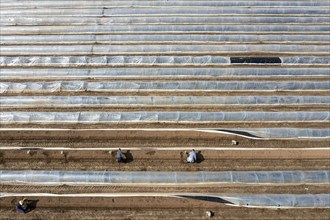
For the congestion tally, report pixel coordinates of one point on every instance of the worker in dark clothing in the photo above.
(120, 156)
(22, 205)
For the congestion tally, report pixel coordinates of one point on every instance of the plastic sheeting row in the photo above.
(158, 20)
(279, 200)
(113, 60)
(14, 73)
(131, 61)
(279, 133)
(163, 117)
(82, 86)
(97, 3)
(160, 38)
(102, 101)
(64, 177)
(156, 49)
(169, 11)
(159, 28)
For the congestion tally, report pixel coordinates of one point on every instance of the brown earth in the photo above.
(147, 208)
(290, 157)
(114, 125)
(216, 188)
(168, 165)
(142, 138)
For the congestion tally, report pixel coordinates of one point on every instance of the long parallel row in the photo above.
(76, 86)
(146, 3)
(260, 177)
(164, 40)
(150, 61)
(172, 40)
(257, 69)
(133, 101)
(153, 117)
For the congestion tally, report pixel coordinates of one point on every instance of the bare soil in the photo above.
(141, 138)
(146, 208)
(222, 188)
(290, 157)
(114, 125)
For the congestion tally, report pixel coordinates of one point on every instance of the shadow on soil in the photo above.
(207, 198)
(243, 133)
(199, 157)
(128, 157)
(32, 205)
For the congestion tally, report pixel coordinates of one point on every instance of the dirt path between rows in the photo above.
(172, 125)
(147, 208)
(222, 188)
(140, 138)
(166, 165)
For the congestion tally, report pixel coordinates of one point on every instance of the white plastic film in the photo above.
(160, 38)
(161, 28)
(95, 61)
(134, 101)
(82, 86)
(58, 20)
(279, 200)
(156, 49)
(156, 117)
(279, 133)
(98, 3)
(139, 61)
(164, 11)
(110, 177)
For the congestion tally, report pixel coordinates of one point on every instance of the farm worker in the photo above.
(191, 156)
(120, 157)
(22, 205)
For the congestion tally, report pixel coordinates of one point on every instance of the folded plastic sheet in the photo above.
(279, 200)
(127, 101)
(256, 177)
(157, 49)
(82, 86)
(281, 133)
(58, 20)
(161, 38)
(165, 117)
(97, 3)
(159, 28)
(14, 73)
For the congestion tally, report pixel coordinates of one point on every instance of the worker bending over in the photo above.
(23, 205)
(191, 156)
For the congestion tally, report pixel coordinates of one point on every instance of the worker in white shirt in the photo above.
(191, 156)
